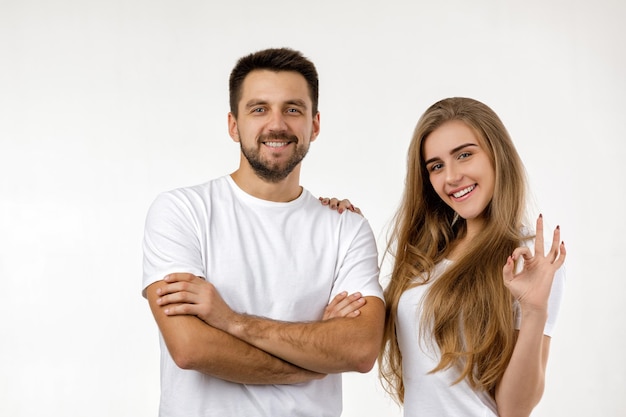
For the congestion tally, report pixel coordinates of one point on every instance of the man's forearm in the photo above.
(332, 346)
(195, 345)
(236, 361)
(329, 346)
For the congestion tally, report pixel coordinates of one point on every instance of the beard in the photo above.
(274, 171)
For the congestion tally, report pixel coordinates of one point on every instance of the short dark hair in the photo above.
(273, 59)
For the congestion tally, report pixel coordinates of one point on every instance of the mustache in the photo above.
(278, 136)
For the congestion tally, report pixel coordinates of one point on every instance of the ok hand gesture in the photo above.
(531, 286)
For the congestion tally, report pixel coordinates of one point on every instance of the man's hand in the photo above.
(186, 294)
(344, 306)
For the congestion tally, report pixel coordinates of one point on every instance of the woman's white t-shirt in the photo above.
(434, 394)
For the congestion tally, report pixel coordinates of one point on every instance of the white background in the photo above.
(105, 104)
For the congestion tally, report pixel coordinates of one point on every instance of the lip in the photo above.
(469, 190)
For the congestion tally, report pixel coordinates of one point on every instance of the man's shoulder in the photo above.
(200, 189)
(347, 219)
(192, 197)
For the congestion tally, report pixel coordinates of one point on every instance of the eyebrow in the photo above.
(297, 102)
(452, 152)
(293, 102)
(255, 102)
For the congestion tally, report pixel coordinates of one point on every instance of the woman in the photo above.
(471, 304)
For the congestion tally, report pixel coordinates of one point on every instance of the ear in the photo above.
(316, 127)
(233, 131)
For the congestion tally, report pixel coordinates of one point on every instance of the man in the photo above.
(239, 271)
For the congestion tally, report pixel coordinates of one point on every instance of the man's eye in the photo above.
(258, 110)
(292, 110)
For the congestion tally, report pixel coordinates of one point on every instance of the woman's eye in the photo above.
(464, 155)
(435, 167)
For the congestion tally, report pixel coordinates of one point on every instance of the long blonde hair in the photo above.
(467, 311)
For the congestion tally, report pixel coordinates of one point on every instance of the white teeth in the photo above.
(275, 144)
(464, 191)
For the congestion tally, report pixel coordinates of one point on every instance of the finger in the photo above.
(331, 309)
(173, 288)
(353, 308)
(334, 203)
(342, 305)
(325, 201)
(175, 298)
(345, 204)
(342, 300)
(178, 277)
(554, 249)
(561, 259)
(539, 236)
(357, 210)
(507, 270)
(181, 309)
(355, 297)
(523, 252)
(338, 298)
(350, 309)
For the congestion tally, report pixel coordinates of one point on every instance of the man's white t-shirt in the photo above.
(283, 261)
(427, 394)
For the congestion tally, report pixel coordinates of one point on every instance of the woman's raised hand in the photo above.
(531, 286)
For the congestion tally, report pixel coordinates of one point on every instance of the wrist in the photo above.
(237, 325)
(534, 314)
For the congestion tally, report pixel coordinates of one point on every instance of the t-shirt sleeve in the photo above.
(358, 269)
(171, 240)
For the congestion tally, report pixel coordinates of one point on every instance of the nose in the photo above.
(277, 122)
(453, 174)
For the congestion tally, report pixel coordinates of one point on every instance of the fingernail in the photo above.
(558, 227)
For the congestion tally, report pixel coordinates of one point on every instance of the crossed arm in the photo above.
(195, 345)
(204, 334)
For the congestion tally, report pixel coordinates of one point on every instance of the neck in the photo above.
(285, 190)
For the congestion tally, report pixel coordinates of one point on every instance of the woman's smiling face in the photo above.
(460, 169)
